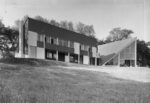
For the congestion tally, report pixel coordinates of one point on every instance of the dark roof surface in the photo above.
(48, 29)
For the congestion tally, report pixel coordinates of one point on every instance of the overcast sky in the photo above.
(104, 15)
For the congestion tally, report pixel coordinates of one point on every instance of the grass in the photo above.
(39, 81)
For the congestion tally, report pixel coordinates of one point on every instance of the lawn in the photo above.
(39, 81)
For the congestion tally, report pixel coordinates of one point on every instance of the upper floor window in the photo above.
(41, 37)
(53, 40)
(84, 47)
(48, 39)
(63, 42)
(71, 44)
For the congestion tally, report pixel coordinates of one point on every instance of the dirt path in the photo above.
(140, 74)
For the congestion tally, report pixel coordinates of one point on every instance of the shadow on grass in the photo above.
(32, 62)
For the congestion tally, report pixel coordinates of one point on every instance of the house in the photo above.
(45, 41)
(121, 53)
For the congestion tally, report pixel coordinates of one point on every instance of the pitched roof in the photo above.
(107, 51)
(54, 31)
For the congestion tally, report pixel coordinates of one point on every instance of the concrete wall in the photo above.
(94, 51)
(85, 59)
(20, 41)
(32, 52)
(76, 48)
(67, 58)
(40, 53)
(32, 38)
(128, 53)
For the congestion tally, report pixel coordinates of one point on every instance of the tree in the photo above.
(70, 26)
(143, 53)
(118, 34)
(40, 18)
(87, 30)
(80, 28)
(17, 23)
(53, 22)
(8, 41)
(1, 23)
(64, 24)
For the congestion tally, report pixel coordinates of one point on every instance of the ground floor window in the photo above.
(74, 58)
(92, 60)
(50, 54)
(127, 63)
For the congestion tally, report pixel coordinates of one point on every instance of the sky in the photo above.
(104, 15)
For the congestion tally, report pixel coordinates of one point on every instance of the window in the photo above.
(84, 47)
(48, 39)
(71, 44)
(66, 43)
(49, 55)
(41, 37)
(63, 42)
(54, 41)
(60, 42)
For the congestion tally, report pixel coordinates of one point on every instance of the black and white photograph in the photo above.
(74, 51)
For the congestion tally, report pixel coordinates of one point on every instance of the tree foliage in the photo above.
(143, 53)
(17, 23)
(1, 23)
(8, 41)
(118, 34)
(85, 29)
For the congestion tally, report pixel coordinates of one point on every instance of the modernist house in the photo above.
(45, 41)
(121, 53)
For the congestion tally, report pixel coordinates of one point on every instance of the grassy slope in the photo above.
(31, 80)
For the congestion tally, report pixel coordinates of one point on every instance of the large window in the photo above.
(53, 40)
(71, 44)
(48, 39)
(63, 42)
(40, 37)
(84, 47)
(51, 55)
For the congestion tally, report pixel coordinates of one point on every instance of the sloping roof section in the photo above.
(107, 51)
(48, 29)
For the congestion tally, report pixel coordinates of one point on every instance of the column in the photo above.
(95, 61)
(44, 41)
(68, 57)
(21, 40)
(135, 63)
(119, 59)
(56, 55)
(78, 58)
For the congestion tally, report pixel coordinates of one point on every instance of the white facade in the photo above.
(32, 38)
(76, 48)
(85, 59)
(40, 53)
